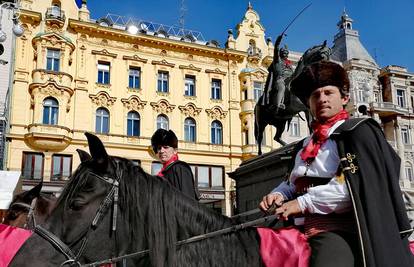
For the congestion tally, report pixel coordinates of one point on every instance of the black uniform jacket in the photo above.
(180, 176)
(371, 168)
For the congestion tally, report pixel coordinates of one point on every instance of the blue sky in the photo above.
(386, 27)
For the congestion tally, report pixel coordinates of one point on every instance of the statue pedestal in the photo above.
(256, 177)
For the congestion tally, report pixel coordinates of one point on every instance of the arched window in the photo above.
(102, 121)
(133, 124)
(50, 111)
(216, 133)
(162, 122)
(190, 130)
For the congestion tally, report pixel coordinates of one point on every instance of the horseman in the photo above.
(343, 189)
(178, 173)
(280, 71)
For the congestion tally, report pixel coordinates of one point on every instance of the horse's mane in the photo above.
(151, 205)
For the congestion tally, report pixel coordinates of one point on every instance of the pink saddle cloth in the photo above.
(11, 239)
(285, 247)
(412, 246)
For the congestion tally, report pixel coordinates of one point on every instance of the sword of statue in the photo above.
(293, 20)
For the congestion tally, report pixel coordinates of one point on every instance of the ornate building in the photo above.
(123, 78)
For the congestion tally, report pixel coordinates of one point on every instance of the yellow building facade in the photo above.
(74, 74)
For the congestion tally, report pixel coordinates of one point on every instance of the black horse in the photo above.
(151, 214)
(264, 115)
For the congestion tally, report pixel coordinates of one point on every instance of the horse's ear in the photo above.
(324, 43)
(97, 149)
(83, 155)
(33, 193)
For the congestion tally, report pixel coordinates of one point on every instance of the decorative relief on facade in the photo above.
(133, 103)
(102, 99)
(104, 52)
(163, 63)
(190, 109)
(216, 113)
(190, 67)
(216, 71)
(135, 58)
(51, 88)
(162, 106)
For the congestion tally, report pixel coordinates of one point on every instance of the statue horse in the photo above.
(264, 115)
(111, 207)
(29, 208)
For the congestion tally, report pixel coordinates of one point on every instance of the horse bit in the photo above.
(59, 245)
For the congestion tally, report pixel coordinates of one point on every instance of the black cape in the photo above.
(372, 167)
(180, 176)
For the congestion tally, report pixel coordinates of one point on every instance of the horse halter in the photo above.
(30, 214)
(59, 245)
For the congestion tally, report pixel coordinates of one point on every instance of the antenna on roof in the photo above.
(183, 10)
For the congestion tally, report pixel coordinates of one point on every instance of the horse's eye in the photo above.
(76, 204)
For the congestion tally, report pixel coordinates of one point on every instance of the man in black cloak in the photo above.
(176, 172)
(344, 183)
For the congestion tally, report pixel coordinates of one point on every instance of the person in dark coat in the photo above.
(178, 173)
(344, 183)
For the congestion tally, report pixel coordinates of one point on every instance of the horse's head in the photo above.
(21, 206)
(87, 217)
(316, 53)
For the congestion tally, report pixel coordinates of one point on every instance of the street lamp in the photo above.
(17, 29)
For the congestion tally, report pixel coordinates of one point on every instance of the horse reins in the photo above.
(201, 237)
(59, 245)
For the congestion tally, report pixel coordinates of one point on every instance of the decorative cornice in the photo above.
(190, 67)
(104, 52)
(216, 113)
(216, 71)
(133, 102)
(102, 99)
(162, 106)
(163, 62)
(190, 109)
(135, 58)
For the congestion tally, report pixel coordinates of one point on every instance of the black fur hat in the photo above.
(320, 74)
(163, 137)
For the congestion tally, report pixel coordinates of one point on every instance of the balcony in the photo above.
(62, 79)
(48, 137)
(388, 109)
(55, 16)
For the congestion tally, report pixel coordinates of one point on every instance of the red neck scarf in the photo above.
(320, 135)
(166, 164)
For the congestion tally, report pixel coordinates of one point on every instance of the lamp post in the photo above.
(17, 28)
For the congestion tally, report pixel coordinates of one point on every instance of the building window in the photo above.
(103, 72)
(133, 124)
(189, 89)
(401, 98)
(409, 173)
(53, 59)
(162, 122)
(405, 135)
(102, 121)
(61, 166)
(163, 81)
(32, 165)
(155, 168)
(190, 130)
(50, 111)
(216, 133)
(295, 127)
(362, 96)
(257, 90)
(208, 176)
(134, 78)
(216, 89)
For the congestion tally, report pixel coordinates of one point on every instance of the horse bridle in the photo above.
(59, 245)
(30, 214)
